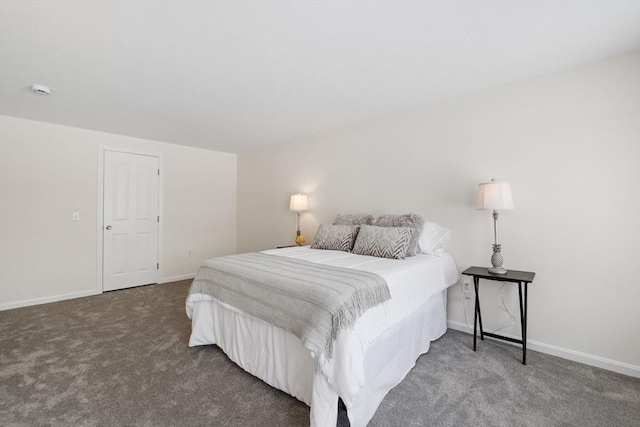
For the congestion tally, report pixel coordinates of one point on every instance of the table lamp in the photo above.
(495, 196)
(298, 203)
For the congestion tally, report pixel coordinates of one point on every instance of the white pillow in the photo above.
(433, 239)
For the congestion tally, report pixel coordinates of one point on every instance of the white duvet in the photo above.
(411, 282)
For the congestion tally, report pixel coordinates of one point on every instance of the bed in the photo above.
(366, 360)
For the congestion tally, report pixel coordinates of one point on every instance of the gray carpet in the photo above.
(121, 358)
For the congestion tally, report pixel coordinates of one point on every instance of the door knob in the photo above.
(108, 227)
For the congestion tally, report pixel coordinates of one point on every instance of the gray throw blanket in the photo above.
(312, 301)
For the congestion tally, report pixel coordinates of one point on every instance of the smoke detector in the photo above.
(41, 89)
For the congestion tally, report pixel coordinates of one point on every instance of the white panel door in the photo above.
(131, 222)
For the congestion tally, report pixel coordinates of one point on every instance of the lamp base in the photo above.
(497, 270)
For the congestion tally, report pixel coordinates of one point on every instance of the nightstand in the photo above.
(522, 278)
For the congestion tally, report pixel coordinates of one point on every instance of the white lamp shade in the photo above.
(494, 196)
(298, 202)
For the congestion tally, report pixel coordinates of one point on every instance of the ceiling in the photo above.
(231, 76)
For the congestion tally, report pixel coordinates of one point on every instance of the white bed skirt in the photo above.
(278, 358)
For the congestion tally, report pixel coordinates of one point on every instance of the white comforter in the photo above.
(411, 282)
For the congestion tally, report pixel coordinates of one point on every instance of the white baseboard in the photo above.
(177, 278)
(45, 300)
(565, 353)
(63, 297)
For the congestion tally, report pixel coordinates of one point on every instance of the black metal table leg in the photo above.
(477, 284)
(524, 329)
(475, 313)
(523, 322)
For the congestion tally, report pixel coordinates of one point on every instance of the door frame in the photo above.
(100, 209)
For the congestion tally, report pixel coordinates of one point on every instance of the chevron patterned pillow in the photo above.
(383, 242)
(414, 221)
(353, 219)
(335, 237)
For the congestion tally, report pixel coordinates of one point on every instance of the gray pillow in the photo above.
(383, 242)
(414, 221)
(353, 219)
(335, 237)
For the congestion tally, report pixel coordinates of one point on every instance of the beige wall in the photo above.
(568, 142)
(47, 172)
